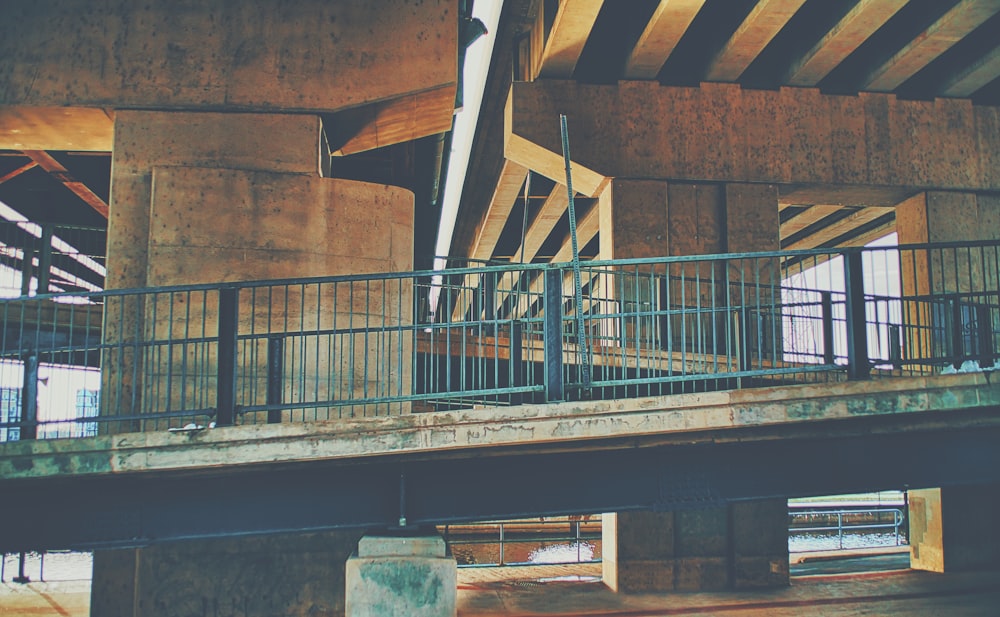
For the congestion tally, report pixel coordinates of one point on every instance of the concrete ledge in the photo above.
(766, 413)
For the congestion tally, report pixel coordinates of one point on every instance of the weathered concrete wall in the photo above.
(969, 273)
(291, 575)
(953, 529)
(212, 197)
(738, 546)
(656, 218)
(288, 55)
(720, 132)
(143, 140)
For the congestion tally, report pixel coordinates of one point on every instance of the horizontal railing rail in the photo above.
(561, 540)
(838, 523)
(322, 348)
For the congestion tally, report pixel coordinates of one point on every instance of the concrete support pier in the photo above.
(400, 574)
(737, 546)
(292, 575)
(952, 529)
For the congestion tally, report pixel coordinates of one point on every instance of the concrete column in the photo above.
(212, 197)
(961, 279)
(408, 575)
(738, 546)
(953, 529)
(653, 218)
(296, 575)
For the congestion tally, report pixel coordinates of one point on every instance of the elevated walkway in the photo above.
(338, 402)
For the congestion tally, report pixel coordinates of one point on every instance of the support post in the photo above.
(21, 577)
(29, 397)
(225, 412)
(957, 332)
(826, 300)
(516, 360)
(45, 259)
(27, 255)
(552, 335)
(858, 366)
(275, 377)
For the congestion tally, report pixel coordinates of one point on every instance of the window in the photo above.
(87, 406)
(10, 412)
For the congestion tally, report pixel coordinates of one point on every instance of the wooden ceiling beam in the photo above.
(766, 19)
(938, 38)
(512, 177)
(800, 221)
(570, 30)
(855, 28)
(669, 22)
(17, 172)
(539, 229)
(977, 75)
(60, 173)
(841, 227)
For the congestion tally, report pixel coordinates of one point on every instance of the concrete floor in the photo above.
(532, 592)
(910, 593)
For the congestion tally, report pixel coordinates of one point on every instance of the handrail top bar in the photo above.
(495, 269)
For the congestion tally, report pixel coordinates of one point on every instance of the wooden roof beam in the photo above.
(570, 30)
(804, 219)
(980, 73)
(938, 38)
(841, 227)
(586, 228)
(855, 28)
(669, 22)
(512, 177)
(17, 172)
(60, 173)
(766, 19)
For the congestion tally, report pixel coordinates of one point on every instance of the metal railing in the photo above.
(40, 257)
(325, 348)
(562, 540)
(839, 523)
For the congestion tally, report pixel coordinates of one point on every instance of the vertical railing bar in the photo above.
(225, 412)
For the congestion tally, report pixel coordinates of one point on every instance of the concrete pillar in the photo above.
(953, 529)
(961, 279)
(213, 197)
(950, 528)
(653, 218)
(739, 546)
(296, 575)
(408, 575)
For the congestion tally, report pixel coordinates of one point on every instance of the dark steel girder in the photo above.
(143, 509)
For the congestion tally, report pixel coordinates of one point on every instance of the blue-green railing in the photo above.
(325, 348)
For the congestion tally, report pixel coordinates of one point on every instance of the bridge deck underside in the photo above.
(663, 452)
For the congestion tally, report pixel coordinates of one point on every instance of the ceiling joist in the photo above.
(44, 160)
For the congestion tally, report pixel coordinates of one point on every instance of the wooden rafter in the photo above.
(841, 227)
(668, 24)
(850, 32)
(569, 34)
(17, 172)
(980, 73)
(938, 38)
(761, 25)
(804, 219)
(60, 173)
